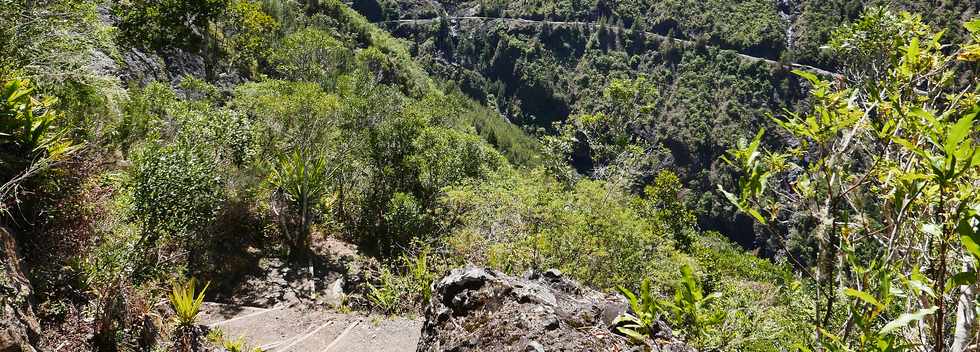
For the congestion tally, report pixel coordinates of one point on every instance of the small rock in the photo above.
(534, 346)
(337, 287)
(551, 323)
(612, 310)
(290, 297)
(335, 293)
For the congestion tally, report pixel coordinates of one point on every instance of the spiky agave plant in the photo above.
(186, 301)
(237, 345)
(186, 304)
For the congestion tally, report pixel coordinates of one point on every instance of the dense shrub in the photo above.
(163, 22)
(176, 191)
(311, 55)
(516, 222)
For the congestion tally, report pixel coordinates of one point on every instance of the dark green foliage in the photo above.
(31, 139)
(753, 27)
(168, 22)
(312, 122)
(411, 162)
(311, 55)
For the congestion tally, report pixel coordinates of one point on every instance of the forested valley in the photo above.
(489, 175)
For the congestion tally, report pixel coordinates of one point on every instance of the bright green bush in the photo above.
(519, 221)
(247, 34)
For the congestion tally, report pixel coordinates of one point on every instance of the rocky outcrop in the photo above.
(19, 329)
(474, 309)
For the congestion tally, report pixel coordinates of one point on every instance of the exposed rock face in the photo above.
(19, 328)
(475, 309)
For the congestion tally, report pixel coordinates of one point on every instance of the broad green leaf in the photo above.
(936, 39)
(864, 296)
(753, 148)
(634, 303)
(731, 197)
(905, 319)
(969, 53)
(912, 54)
(924, 114)
(755, 214)
(958, 132)
(911, 147)
(973, 26)
(918, 281)
(809, 76)
(632, 334)
(968, 238)
(626, 318)
(963, 279)
(932, 230)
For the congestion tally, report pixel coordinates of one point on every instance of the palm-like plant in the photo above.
(303, 177)
(28, 132)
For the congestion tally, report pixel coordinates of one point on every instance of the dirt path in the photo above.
(287, 329)
(794, 66)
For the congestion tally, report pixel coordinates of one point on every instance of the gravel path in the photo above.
(288, 329)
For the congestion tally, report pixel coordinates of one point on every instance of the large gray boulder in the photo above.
(475, 309)
(19, 329)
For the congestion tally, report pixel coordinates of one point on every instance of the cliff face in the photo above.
(475, 309)
(19, 329)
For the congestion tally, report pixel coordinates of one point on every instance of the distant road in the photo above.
(618, 29)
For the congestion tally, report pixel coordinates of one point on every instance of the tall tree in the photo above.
(885, 173)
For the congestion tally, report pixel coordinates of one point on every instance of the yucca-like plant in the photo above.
(186, 302)
(303, 178)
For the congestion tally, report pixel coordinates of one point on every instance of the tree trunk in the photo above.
(965, 315)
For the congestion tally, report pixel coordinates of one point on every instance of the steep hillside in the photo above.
(716, 69)
(308, 166)
(295, 154)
